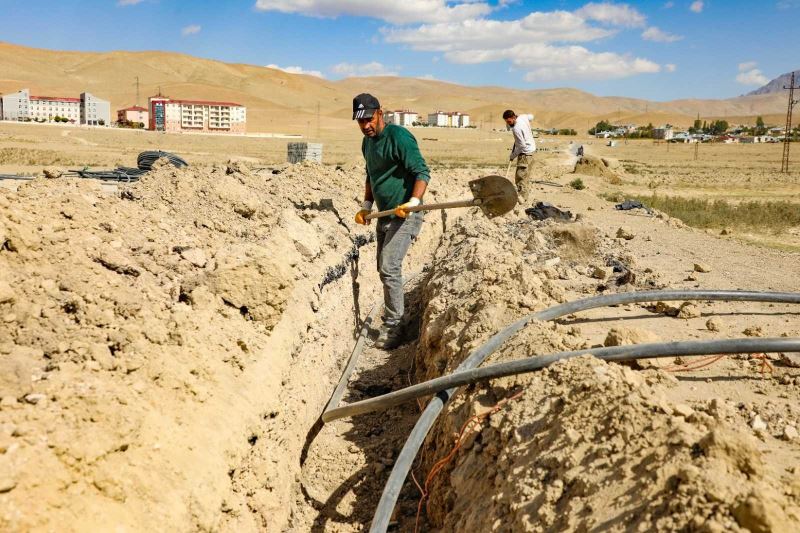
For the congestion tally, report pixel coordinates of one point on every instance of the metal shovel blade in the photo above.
(495, 194)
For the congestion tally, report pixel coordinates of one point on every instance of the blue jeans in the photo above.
(394, 236)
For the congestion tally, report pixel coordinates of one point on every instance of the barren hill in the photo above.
(278, 101)
(776, 85)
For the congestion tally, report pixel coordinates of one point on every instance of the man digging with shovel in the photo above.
(397, 177)
(524, 145)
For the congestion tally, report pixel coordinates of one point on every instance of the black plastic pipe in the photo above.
(402, 465)
(531, 364)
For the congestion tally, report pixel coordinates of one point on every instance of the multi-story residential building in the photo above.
(134, 114)
(47, 108)
(15, 106)
(182, 116)
(453, 119)
(24, 107)
(401, 117)
(95, 111)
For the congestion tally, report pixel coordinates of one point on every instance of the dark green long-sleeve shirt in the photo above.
(394, 164)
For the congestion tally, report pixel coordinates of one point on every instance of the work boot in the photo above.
(389, 337)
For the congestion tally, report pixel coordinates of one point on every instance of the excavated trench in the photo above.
(182, 362)
(584, 444)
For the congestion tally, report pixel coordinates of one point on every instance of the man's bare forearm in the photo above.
(420, 187)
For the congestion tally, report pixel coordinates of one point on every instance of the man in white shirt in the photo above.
(524, 145)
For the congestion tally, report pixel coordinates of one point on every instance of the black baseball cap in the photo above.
(364, 106)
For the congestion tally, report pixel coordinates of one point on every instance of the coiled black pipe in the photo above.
(146, 159)
(402, 465)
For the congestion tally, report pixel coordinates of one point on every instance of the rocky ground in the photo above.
(165, 350)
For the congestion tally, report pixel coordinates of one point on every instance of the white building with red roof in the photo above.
(22, 106)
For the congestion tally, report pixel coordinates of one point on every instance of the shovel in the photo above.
(495, 195)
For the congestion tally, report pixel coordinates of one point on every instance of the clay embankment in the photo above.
(148, 340)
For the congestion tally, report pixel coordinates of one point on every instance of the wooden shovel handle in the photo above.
(427, 207)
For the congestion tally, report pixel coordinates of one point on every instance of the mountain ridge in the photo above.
(279, 101)
(777, 85)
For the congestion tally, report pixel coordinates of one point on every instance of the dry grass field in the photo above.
(734, 187)
(729, 185)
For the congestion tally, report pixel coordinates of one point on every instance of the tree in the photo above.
(760, 128)
(718, 127)
(101, 122)
(600, 127)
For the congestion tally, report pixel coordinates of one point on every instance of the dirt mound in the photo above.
(583, 444)
(139, 331)
(590, 165)
(592, 445)
(483, 274)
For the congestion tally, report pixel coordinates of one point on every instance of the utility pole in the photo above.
(788, 132)
(137, 90)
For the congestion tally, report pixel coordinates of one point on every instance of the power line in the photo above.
(788, 131)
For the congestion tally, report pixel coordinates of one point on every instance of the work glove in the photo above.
(400, 210)
(366, 209)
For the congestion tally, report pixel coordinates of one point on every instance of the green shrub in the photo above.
(577, 184)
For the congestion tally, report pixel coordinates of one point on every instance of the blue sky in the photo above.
(658, 50)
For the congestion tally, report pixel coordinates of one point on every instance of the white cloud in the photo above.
(750, 75)
(670, 67)
(614, 14)
(543, 44)
(697, 6)
(129, 2)
(669, 5)
(192, 29)
(367, 69)
(660, 36)
(405, 12)
(788, 4)
(544, 47)
(556, 26)
(296, 70)
(429, 77)
(544, 62)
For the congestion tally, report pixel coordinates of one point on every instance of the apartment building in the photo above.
(15, 106)
(47, 108)
(95, 111)
(452, 119)
(401, 117)
(187, 116)
(24, 107)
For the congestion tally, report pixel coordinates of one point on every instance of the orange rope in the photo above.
(443, 462)
(695, 365)
(711, 359)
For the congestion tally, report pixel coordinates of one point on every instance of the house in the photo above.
(134, 114)
(664, 132)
